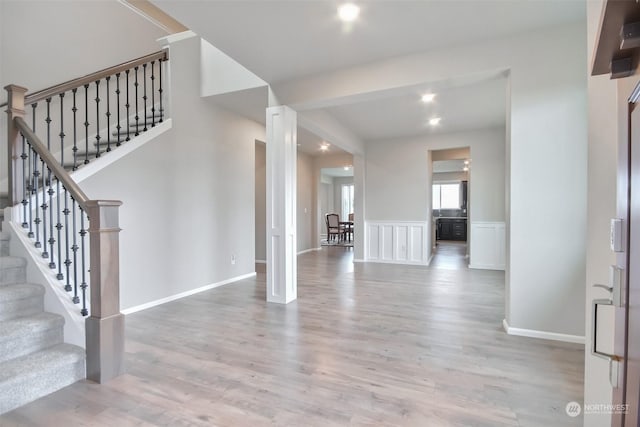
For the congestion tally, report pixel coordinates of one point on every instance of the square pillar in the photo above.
(281, 204)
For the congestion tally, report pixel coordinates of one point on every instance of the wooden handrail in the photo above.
(90, 78)
(53, 164)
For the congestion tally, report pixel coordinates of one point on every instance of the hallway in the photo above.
(364, 344)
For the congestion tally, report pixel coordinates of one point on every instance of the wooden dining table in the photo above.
(348, 228)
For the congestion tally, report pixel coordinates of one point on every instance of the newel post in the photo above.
(15, 108)
(105, 325)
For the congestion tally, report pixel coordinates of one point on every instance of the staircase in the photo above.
(34, 360)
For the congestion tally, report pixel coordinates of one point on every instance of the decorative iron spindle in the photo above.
(74, 249)
(108, 78)
(97, 99)
(83, 286)
(75, 130)
(25, 178)
(29, 177)
(33, 189)
(52, 240)
(48, 121)
(137, 117)
(61, 134)
(144, 96)
(59, 276)
(118, 108)
(86, 124)
(153, 94)
(67, 261)
(128, 104)
(160, 89)
(36, 191)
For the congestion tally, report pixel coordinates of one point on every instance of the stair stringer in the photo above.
(56, 300)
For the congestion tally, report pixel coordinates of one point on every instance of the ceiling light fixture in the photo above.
(434, 121)
(466, 162)
(348, 12)
(324, 146)
(466, 168)
(347, 168)
(428, 97)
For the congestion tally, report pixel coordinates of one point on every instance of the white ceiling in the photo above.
(337, 172)
(475, 106)
(283, 40)
(444, 166)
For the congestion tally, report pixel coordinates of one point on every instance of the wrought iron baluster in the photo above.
(59, 276)
(67, 261)
(97, 99)
(75, 130)
(52, 240)
(144, 96)
(44, 208)
(86, 124)
(160, 65)
(137, 117)
(29, 177)
(108, 78)
(128, 104)
(25, 178)
(48, 121)
(74, 249)
(36, 179)
(118, 127)
(33, 178)
(61, 134)
(153, 94)
(83, 286)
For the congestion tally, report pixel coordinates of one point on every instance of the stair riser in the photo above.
(13, 275)
(33, 385)
(4, 246)
(31, 342)
(21, 307)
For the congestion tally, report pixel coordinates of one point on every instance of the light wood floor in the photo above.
(364, 344)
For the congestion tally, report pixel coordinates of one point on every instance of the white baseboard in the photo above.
(532, 333)
(500, 267)
(261, 261)
(309, 250)
(185, 294)
(358, 260)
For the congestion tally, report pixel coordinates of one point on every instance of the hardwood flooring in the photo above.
(364, 344)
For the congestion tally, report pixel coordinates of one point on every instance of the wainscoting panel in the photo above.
(396, 242)
(487, 250)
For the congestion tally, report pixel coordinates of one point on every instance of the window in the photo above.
(347, 201)
(446, 196)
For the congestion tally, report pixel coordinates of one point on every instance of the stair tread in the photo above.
(12, 262)
(35, 362)
(21, 326)
(19, 291)
(4, 235)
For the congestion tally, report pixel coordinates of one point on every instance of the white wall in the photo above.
(261, 201)
(188, 195)
(306, 195)
(398, 178)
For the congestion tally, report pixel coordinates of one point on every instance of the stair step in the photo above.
(21, 300)
(28, 334)
(12, 270)
(5, 239)
(27, 378)
(140, 126)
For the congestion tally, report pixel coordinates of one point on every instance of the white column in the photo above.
(281, 204)
(358, 210)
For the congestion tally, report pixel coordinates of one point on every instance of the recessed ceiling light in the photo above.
(434, 121)
(466, 168)
(347, 168)
(348, 12)
(428, 97)
(324, 146)
(466, 162)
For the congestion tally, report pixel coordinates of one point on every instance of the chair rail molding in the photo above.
(397, 242)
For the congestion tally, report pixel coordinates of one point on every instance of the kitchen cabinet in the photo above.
(451, 229)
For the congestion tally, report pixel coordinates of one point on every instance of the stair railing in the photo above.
(79, 237)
